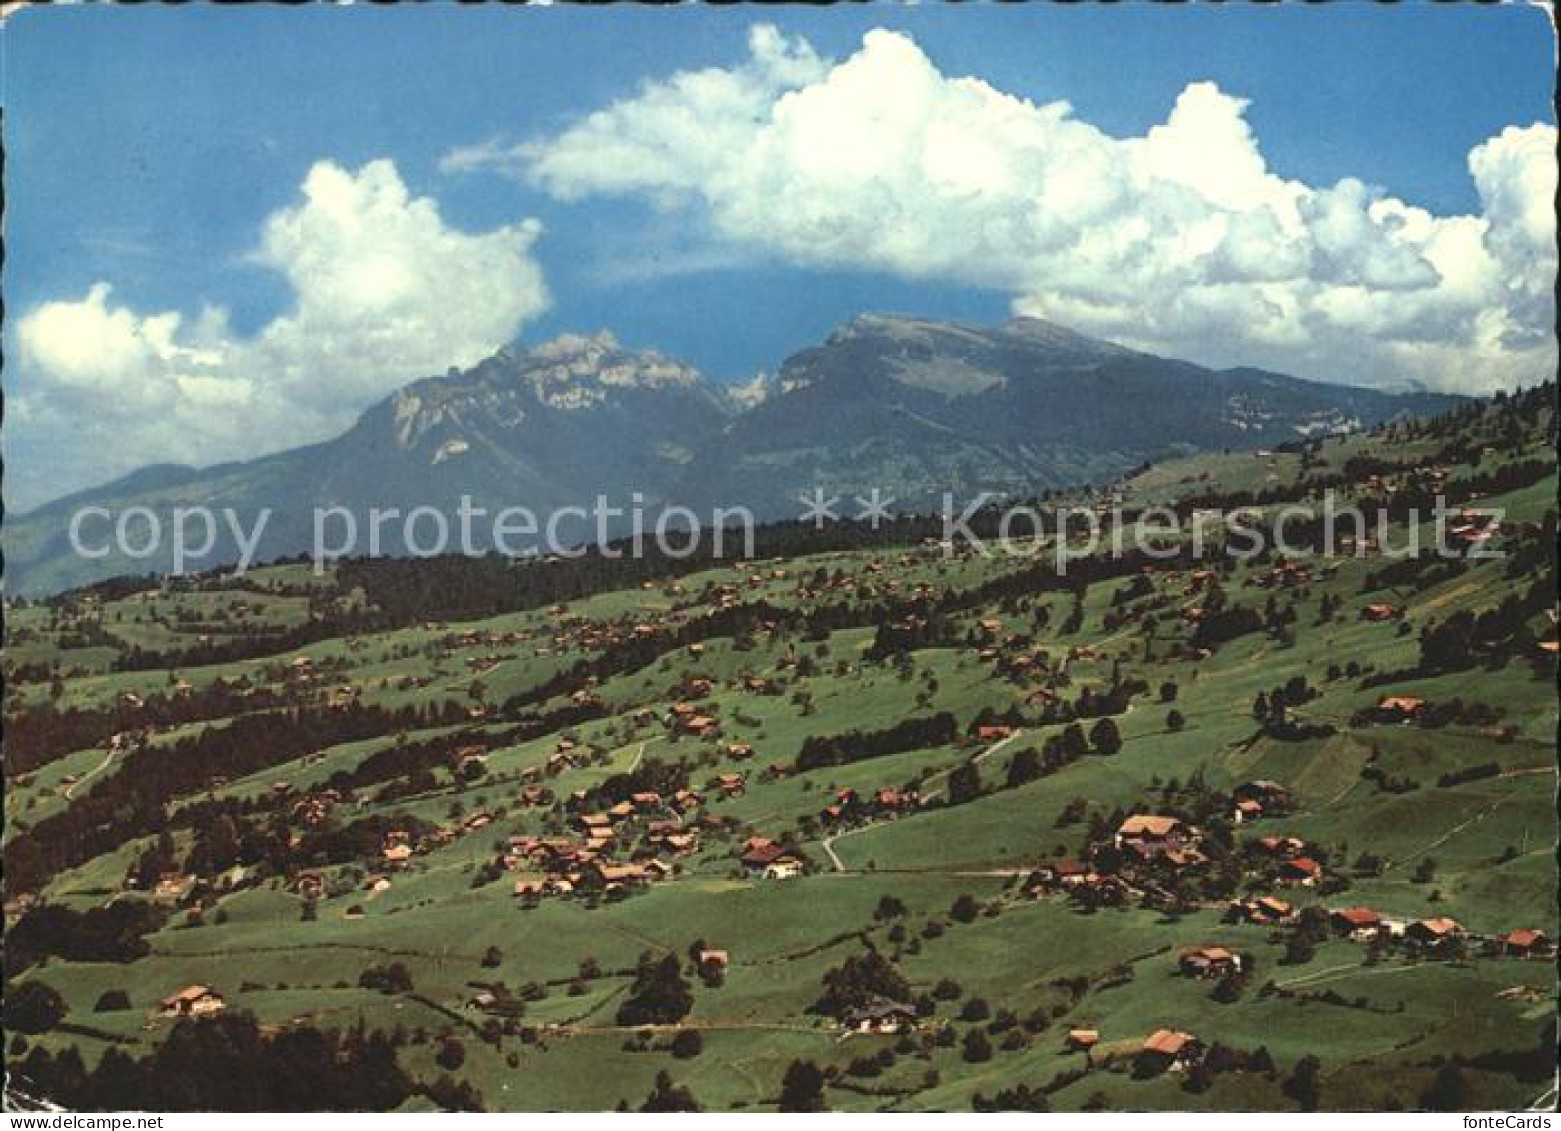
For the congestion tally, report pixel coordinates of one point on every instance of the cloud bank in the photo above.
(383, 292)
(1182, 240)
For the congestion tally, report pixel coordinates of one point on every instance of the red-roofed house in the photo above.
(1525, 943)
(1169, 1050)
(1301, 870)
(1358, 922)
(1435, 935)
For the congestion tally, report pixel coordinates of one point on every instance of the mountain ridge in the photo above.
(911, 406)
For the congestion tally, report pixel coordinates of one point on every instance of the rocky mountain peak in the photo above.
(567, 373)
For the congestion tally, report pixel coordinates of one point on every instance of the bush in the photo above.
(802, 1089)
(667, 1096)
(451, 1055)
(660, 995)
(1302, 1087)
(977, 1048)
(392, 979)
(455, 1096)
(864, 1066)
(687, 1044)
(1105, 738)
(112, 1001)
(964, 784)
(889, 907)
(32, 1008)
(1449, 1090)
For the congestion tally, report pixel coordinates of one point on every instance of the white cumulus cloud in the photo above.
(1182, 240)
(383, 291)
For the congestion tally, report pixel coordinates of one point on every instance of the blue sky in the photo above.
(148, 147)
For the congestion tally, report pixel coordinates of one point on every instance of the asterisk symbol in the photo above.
(819, 509)
(875, 508)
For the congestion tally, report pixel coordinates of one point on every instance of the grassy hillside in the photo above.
(345, 810)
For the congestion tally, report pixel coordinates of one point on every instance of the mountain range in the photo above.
(913, 407)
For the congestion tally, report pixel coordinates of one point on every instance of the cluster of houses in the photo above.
(849, 806)
(600, 827)
(1145, 841)
(686, 718)
(1018, 661)
(1147, 847)
(1425, 478)
(1155, 840)
(398, 846)
(1292, 856)
(1079, 880)
(1263, 911)
(1014, 656)
(562, 865)
(310, 809)
(1253, 800)
(869, 582)
(1438, 936)
(559, 866)
(1473, 528)
(1164, 1050)
(303, 674)
(569, 634)
(592, 636)
(1284, 574)
(311, 884)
